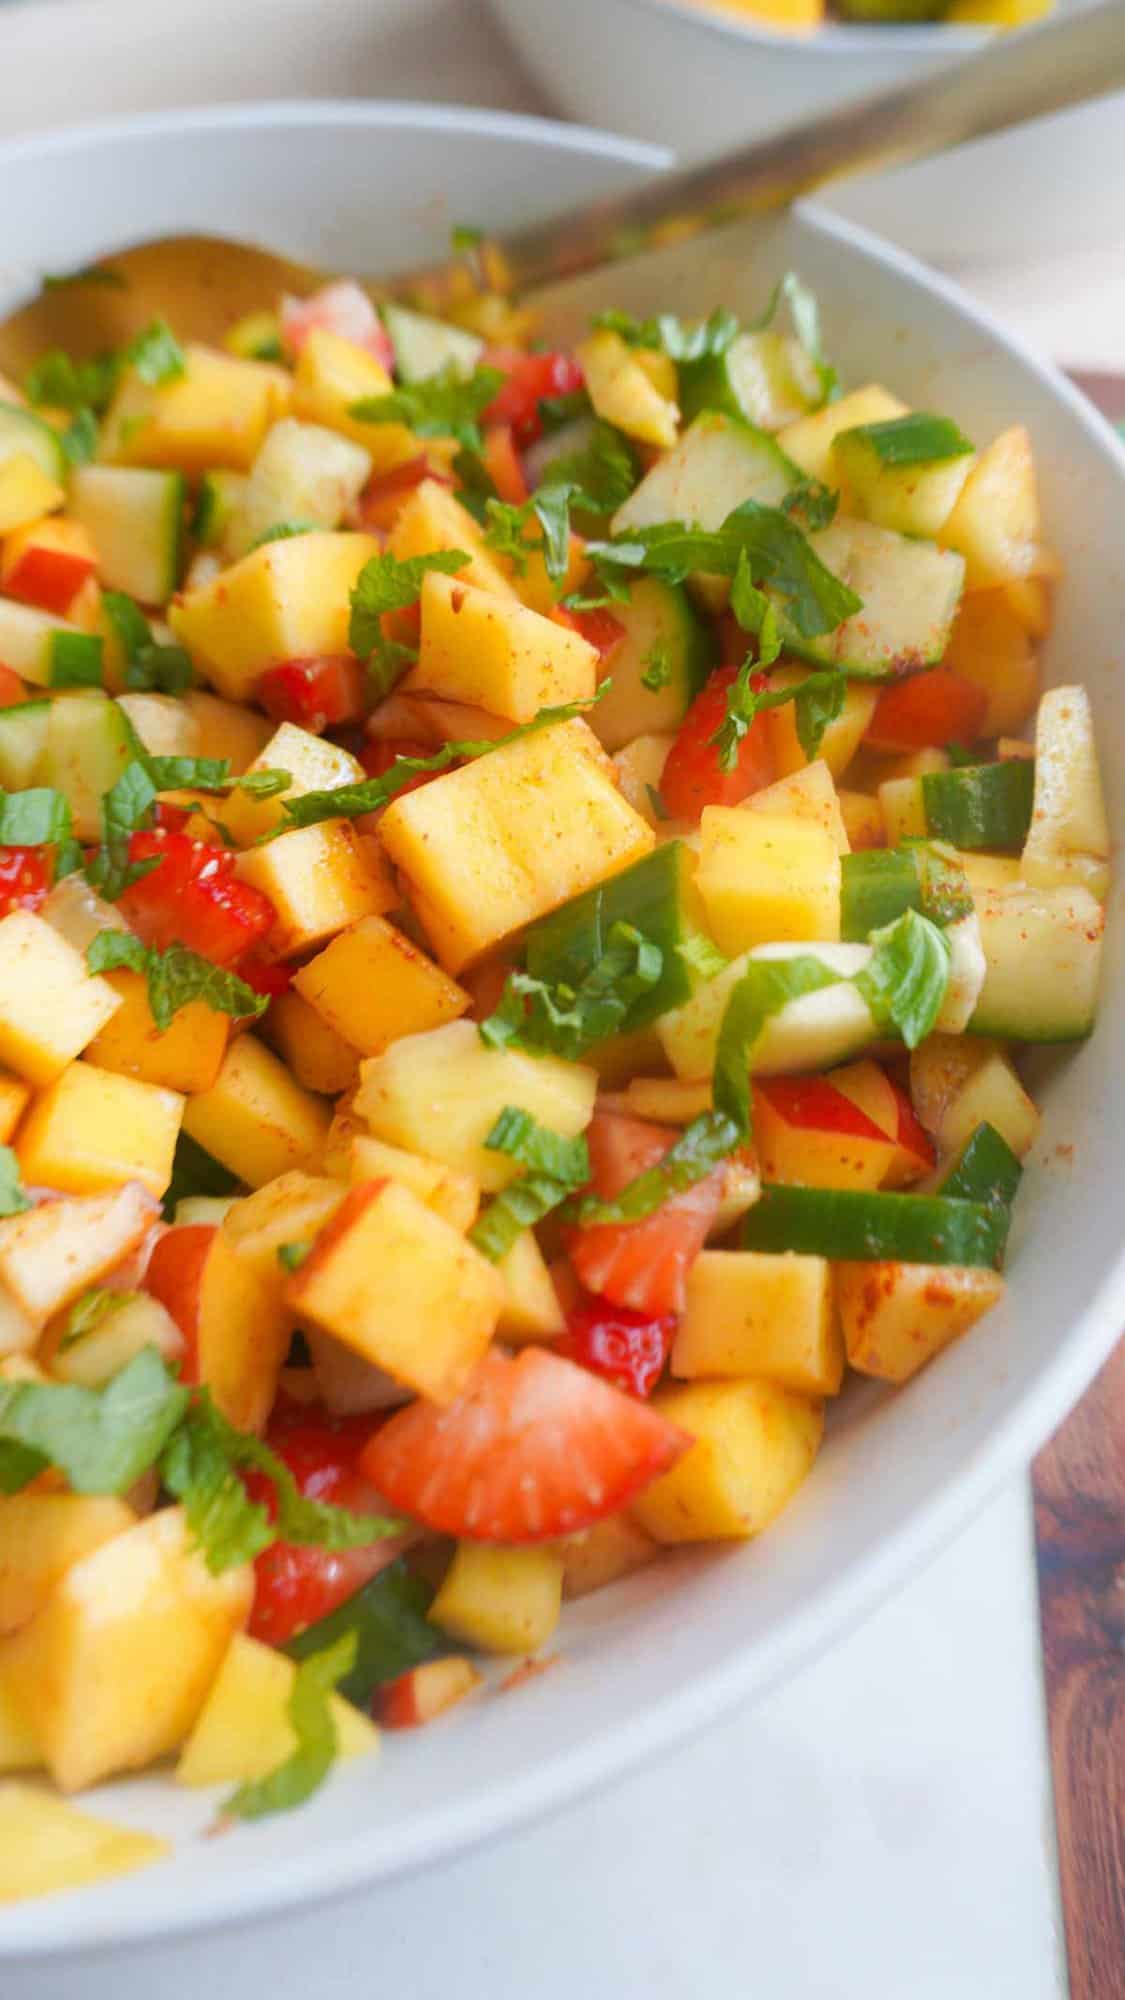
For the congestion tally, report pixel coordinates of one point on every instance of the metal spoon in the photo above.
(203, 283)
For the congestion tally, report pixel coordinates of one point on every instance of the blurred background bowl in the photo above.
(702, 80)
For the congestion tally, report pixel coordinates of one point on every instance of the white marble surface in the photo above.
(883, 1825)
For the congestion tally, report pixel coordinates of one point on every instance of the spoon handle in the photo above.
(1077, 56)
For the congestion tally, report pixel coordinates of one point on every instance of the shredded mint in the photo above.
(448, 404)
(309, 1710)
(565, 1020)
(386, 584)
(905, 983)
(175, 977)
(555, 1167)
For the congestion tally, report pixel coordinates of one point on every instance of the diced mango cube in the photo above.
(452, 1195)
(766, 880)
(255, 1119)
(51, 1253)
(26, 492)
(600, 1555)
(433, 1308)
(187, 1056)
(371, 985)
(333, 373)
(215, 414)
(996, 524)
(751, 1313)
(509, 837)
(432, 519)
(41, 1535)
(93, 1129)
(243, 1730)
(624, 394)
(291, 1209)
(441, 1094)
(500, 1599)
(225, 728)
(842, 737)
(755, 1443)
(18, 1749)
(989, 646)
(809, 441)
(287, 600)
(51, 1007)
(496, 654)
(115, 1666)
(903, 809)
(318, 881)
(896, 1317)
(14, 1098)
(863, 820)
(232, 1311)
(319, 1058)
(47, 1845)
(808, 794)
(314, 765)
(531, 1309)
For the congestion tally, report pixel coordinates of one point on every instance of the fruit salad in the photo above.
(526, 878)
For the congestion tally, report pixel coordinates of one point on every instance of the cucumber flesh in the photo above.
(765, 378)
(877, 886)
(910, 593)
(135, 519)
(666, 640)
(88, 746)
(986, 1170)
(24, 435)
(814, 1032)
(424, 346)
(718, 463)
(27, 638)
(913, 499)
(1042, 950)
(855, 1226)
(303, 475)
(658, 897)
(220, 495)
(23, 740)
(980, 805)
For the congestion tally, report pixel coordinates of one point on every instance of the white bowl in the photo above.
(650, 1661)
(704, 82)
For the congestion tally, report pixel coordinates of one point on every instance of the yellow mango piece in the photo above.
(501, 1599)
(26, 493)
(18, 1749)
(433, 519)
(313, 764)
(755, 1443)
(990, 647)
(863, 820)
(41, 1535)
(600, 1555)
(333, 373)
(452, 1195)
(93, 1129)
(809, 441)
(291, 1209)
(434, 1309)
(841, 738)
(669, 1100)
(320, 1059)
(186, 1057)
(623, 393)
(958, 1082)
(214, 415)
(371, 985)
(903, 810)
(441, 1093)
(239, 1328)
(14, 1098)
(896, 1317)
(285, 601)
(255, 1119)
(531, 1308)
(318, 881)
(751, 1313)
(809, 794)
(114, 1667)
(497, 655)
(791, 17)
(51, 1253)
(225, 728)
(640, 767)
(490, 847)
(51, 1007)
(996, 524)
(47, 1845)
(767, 880)
(243, 1731)
(540, 590)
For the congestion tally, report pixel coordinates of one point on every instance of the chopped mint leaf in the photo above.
(904, 985)
(565, 1020)
(176, 977)
(87, 1314)
(91, 274)
(697, 341)
(101, 1439)
(39, 817)
(65, 384)
(155, 354)
(264, 784)
(555, 1167)
(701, 956)
(149, 666)
(309, 1710)
(80, 438)
(767, 985)
(76, 659)
(283, 531)
(386, 584)
(804, 314)
(657, 666)
(701, 1147)
(125, 807)
(602, 473)
(916, 439)
(448, 404)
(811, 504)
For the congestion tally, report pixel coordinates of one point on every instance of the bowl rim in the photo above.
(838, 39)
(333, 1868)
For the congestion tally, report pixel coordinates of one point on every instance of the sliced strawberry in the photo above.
(643, 1265)
(340, 308)
(534, 1448)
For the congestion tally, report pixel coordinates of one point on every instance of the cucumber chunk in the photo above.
(23, 740)
(980, 805)
(424, 346)
(304, 475)
(858, 1227)
(658, 897)
(220, 496)
(877, 886)
(814, 1032)
(88, 746)
(1043, 950)
(910, 593)
(986, 1170)
(718, 463)
(765, 378)
(24, 435)
(668, 642)
(135, 519)
(27, 639)
(906, 472)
